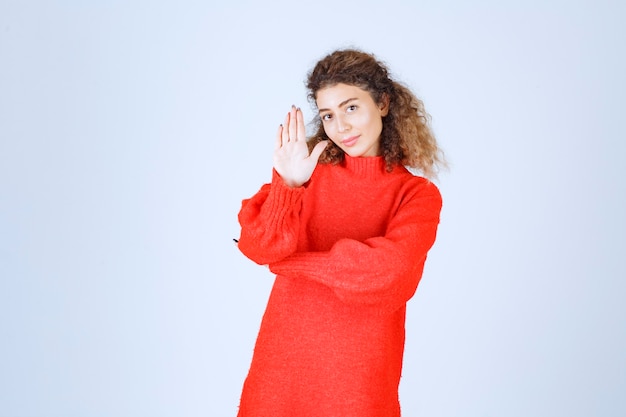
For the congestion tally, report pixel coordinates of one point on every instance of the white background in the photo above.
(131, 131)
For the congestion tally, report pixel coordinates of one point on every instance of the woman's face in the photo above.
(352, 119)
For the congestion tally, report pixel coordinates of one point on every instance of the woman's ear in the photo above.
(384, 105)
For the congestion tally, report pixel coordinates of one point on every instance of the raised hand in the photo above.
(291, 154)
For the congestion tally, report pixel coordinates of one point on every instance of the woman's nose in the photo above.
(342, 125)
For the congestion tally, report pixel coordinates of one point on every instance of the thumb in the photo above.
(318, 149)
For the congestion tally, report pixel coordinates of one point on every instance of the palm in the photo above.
(291, 154)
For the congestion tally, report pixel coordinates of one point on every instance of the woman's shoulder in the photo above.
(419, 185)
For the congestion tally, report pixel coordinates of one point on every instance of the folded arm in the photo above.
(381, 271)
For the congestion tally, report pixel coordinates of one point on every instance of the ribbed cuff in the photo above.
(282, 199)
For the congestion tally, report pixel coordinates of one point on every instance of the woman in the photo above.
(346, 229)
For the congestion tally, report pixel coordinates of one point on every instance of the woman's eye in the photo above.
(326, 117)
(351, 108)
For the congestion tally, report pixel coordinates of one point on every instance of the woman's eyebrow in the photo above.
(343, 103)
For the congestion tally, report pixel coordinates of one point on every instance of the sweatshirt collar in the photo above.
(365, 166)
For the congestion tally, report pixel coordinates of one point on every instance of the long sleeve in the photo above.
(381, 271)
(269, 222)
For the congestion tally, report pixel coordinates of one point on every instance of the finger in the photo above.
(301, 128)
(318, 149)
(293, 124)
(279, 138)
(285, 130)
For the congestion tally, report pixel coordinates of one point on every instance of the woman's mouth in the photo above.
(350, 141)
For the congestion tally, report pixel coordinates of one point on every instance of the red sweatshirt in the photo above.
(348, 250)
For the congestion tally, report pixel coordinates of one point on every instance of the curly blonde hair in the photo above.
(406, 137)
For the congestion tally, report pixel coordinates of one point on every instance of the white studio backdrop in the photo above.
(131, 131)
